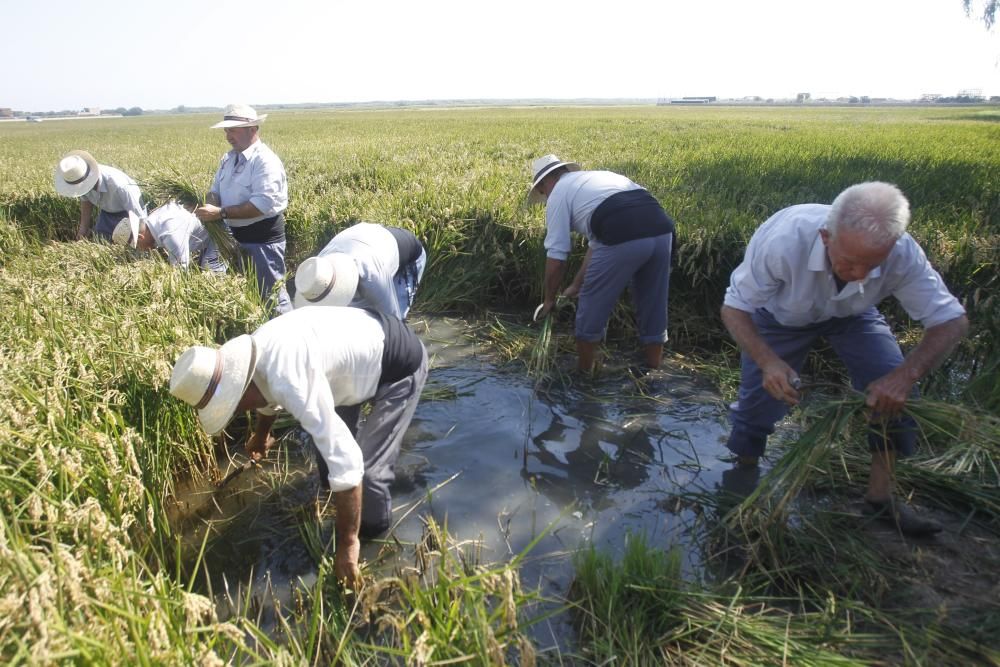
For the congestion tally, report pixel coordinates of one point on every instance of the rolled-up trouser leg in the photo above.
(755, 412)
(868, 348)
(268, 261)
(380, 438)
(650, 289)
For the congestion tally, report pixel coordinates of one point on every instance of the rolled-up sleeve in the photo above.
(310, 401)
(268, 192)
(923, 294)
(754, 281)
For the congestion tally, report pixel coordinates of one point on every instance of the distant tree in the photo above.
(134, 111)
(989, 11)
(180, 109)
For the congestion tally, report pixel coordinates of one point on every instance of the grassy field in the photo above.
(93, 442)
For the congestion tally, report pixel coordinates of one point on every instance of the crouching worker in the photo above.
(320, 365)
(365, 266)
(175, 229)
(113, 192)
(819, 271)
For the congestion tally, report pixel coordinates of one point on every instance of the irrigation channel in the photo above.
(497, 461)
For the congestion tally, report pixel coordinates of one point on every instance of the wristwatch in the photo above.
(223, 214)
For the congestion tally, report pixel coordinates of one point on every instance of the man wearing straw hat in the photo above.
(250, 193)
(629, 243)
(384, 263)
(174, 229)
(320, 365)
(819, 271)
(114, 194)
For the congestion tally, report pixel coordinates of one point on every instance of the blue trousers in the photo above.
(863, 342)
(268, 261)
(642, 265)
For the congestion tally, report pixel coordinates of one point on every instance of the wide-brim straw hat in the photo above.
(126, 231)
(326, 280)
(542, 167)
(213, 380)
(76, 174)
(239, 115)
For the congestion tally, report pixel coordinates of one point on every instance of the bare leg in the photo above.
(653, 353)
(586, 352)
(880, 478)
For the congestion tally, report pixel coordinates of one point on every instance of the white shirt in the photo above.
(571, 204)
(787, 271)
(257, 176)
(376, 254)
(178, 232)
(311, 360)
(116, 192)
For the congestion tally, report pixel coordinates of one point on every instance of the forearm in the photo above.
(935, 346)
(742, 329)
(555, 269)
(262, 426)
(348, 525)
(86, 213)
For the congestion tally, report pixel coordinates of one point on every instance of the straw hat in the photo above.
(214, 380)
(126, 231)
(239, 115)
(76, 174)
(542, 167)
(326, 280)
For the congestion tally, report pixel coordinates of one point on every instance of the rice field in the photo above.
(90, 565)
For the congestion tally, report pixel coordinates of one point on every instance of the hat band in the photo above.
(323, 294)
(547, 167)
(81, 179)
(213, 384)
(242, 119)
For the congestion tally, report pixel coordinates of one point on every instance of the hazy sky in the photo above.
(58, 54)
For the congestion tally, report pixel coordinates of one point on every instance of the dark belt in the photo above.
(268, 230)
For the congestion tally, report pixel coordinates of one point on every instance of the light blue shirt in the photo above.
(116, 192)
(257, 176)
(787, 271)
(572, 203)
(376, 254)
(178, 232)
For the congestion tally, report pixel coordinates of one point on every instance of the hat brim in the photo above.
(239, 123)
(239, 359)
(344, 287)
(534, 196)
(84, 186)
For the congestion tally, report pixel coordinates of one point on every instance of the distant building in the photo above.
(803, 97)
(690, 100)
(90, 111)
(6, 113)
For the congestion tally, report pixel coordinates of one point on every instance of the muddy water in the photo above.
(498, 460)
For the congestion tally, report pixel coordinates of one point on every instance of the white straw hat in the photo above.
(214, 380)
(126, 231)
(542, 167)
(326, 280)
(76, 174)
(239, 115)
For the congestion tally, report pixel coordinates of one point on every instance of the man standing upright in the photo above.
(629, 240)
(250, 194)
(111, 190)
(818, 271)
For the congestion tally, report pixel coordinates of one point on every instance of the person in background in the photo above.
(629, 238)
(112, 191)
(250, 194)
(365, 266)
(818, 271)
(174, 229)
(320, 365)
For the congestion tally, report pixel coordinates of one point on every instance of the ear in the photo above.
(825, 235)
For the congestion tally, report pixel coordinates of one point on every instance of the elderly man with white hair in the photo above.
(111, 190)
(818, 271)
(174, 229)
(250, 194)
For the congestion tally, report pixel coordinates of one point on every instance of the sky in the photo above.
(58, 54)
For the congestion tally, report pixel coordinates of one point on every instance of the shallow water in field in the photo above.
(499, 461)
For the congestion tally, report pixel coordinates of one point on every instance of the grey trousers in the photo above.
(380, 437)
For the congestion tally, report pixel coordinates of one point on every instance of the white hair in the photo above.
(878, 209)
